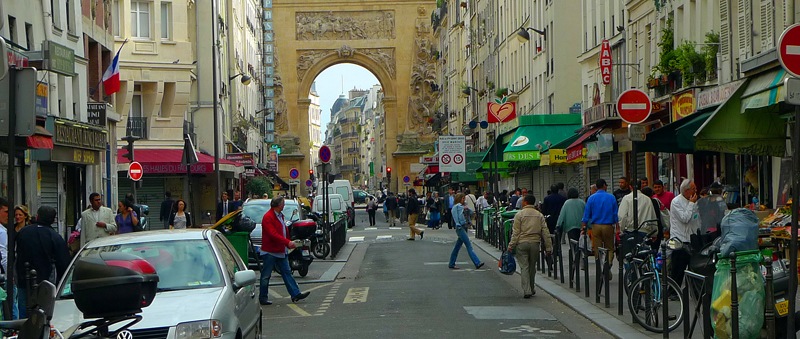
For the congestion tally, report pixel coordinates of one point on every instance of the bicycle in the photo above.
(634, 259)
(645, 296)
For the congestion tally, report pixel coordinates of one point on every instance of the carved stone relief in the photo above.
(281, 118)
(359, 25)
(345, 51)
(307, 58)
(422, 98)
(382, 56)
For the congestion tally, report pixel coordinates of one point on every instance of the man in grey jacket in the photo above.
(98, 221)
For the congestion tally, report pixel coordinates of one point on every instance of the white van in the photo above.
(336, 204)
(343, 187)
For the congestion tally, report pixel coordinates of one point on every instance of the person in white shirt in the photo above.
(683, 223)
(98, 221)
(483, 202)
(469, 202)
(644, 207)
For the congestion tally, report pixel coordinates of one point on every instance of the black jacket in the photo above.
(231, 207)
(551, 207)
(188, 218)
(43, 248)
(166, 209)
(391, 203)
(412, 205)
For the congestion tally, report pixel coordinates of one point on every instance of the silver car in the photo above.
(205, 290)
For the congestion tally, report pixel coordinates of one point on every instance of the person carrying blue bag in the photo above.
(462, 223)
(530, 228)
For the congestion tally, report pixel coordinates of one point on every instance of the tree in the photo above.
(258, 186)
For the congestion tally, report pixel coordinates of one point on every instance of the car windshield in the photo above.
(180, 264)
(257, 211)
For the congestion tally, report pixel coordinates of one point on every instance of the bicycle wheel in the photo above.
(646, 307)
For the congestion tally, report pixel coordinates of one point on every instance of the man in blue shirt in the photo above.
(602, 213)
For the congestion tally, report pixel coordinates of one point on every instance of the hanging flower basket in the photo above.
(464, 5)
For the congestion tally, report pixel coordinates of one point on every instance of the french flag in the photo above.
(111, 76)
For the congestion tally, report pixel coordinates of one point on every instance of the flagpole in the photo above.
(112, 63)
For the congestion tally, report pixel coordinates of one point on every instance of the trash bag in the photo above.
(507, 263)
(739, 232)
(244, 224)
(750, 284)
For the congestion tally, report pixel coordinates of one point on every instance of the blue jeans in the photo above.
(463, 239)
(22, 303)
(268, 261)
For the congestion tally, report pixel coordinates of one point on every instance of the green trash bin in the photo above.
(240, 242)
(509, 214)
(487, 214)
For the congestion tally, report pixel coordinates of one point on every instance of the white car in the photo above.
(205, 290)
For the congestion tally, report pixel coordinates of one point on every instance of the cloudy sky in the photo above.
(331, 80)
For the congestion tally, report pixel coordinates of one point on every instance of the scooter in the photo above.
(301, 233)
(320, 244)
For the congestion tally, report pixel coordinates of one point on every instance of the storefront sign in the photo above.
(605, 142)
(683, 105)
(74, 155)
(16, 59)
(167, 168)
(561, 156)
(59, 59)
(591, 151)
(96, 113)
(575, 153)
(521, 156)
(605, 62)
(246, 159)
(250, 172)
(41, 99)
(272, 163)
(78, 135)
(429, 160)
(717, 95)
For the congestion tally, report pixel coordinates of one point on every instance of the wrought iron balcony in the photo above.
(350, 135)
(349, 168)
(353, 150)
(137, 127)
(602, 112)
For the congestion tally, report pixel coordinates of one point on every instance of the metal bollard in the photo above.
(664, 293)
(597, 272)
(572, 243)
(621, 282)
(586, 274)
(685, 291)
(769, 311)
(576, 264)
(734, 299)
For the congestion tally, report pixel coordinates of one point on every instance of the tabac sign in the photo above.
(605, 62)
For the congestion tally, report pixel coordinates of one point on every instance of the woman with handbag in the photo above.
(461, 229)
(372, 207)
(127, 220)
(433, 211)
(530, 228)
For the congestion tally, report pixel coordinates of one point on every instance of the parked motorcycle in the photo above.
(301, 231)
(320, 243)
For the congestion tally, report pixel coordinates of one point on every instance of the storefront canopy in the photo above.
(677, 137)
(168, 161)
(749, 121)
(473, 165)
(526, 143)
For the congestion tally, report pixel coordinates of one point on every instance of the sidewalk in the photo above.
(606, 318)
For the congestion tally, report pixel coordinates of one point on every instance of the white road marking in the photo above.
(634, 106)
(550, 331)
(395, 228)
(370, 228)
(356, 239)
(356, 295)
(793, 50)
(383, 237)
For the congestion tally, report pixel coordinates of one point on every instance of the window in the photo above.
(228, 258)
(136, 106)
(140, 19)
(70, 17)
(12, 28)
(166, 20)
(29, 36)
(117, 18)
(55, 17)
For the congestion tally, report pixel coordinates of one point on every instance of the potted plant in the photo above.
(501, 92)
(463, 5)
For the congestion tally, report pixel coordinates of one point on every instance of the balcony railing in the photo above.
(348, 168)
(601, 112)
(348, 121)
(350, 135)
(353, 150)
(137, 127)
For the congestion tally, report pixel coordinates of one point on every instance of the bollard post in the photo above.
(769, 311)
(572, 273)
(597, 273)
(607, 278)
(685, 291)
(664, 293)
(586, 273)
(622, 282)
(734, 299)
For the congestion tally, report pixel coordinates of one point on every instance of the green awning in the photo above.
(471, 175)
(747, 124)
(523, 144)
(676, 137)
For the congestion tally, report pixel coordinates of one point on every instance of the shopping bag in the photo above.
(507, 263)
(583, 242)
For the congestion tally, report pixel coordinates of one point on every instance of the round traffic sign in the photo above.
(135, 171)
(309, 183)
(325, 154)
(634, 106)
(458, 159)
(406, 179)
(446, 159)
(789, 50)
(294, 173)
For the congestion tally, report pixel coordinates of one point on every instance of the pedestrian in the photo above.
(166, 209)
(644, 182)
(401, 206)
(569, 220)
(98, 221)
(127, 220)
(551, 207)
(4, 241)
(22, 217)
(391, 205)
(372, 207)
(645, 212)
(483, 202)
(461, 224)
(602, 213)
(180, 219)
(663, 195)
(412, 205)
(433, 211)
(661, 222)
(386, 210)
(275, 246)
(237, 200)
(561, 190)
(225, 206)
(512, 201)
(523, 193)
(448, 209)
(530, 228)
(39, 247)
(624, 189)
(503, 198)
(684, 222)
(469, 202)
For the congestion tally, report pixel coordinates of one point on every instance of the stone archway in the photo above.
(393, 40)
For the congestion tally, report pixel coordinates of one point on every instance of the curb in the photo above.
(596, 315)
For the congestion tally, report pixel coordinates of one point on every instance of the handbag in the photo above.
(584, 242)
(428, 215)
(507, 263)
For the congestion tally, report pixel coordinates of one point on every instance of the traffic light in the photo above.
(130, 139)
(389, 173)
(311, 174)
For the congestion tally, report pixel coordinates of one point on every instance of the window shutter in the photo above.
(745, 31)
(725, 29)
(767, 25)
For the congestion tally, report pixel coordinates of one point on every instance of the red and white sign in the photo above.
(135, 171)
(605, 62)
(789, 50)
(634, 106)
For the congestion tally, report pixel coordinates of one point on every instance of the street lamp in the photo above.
(523, 36)
(245, 78)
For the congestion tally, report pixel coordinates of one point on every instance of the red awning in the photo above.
(169, 161)
(432, 169)
(584, 137)
(39, 141)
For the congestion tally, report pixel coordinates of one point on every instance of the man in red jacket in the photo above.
(275, 244)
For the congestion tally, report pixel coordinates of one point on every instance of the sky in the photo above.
(329, 86)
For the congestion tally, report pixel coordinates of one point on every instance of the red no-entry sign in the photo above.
(634, 106)
(789, 50)
(135, 171)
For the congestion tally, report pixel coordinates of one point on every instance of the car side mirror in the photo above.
(244, 278)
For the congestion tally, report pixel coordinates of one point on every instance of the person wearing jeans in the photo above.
(273, 252)
(529, 230)
(461, 230)
(372, 207)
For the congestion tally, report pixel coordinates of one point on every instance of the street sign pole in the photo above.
(12, 156)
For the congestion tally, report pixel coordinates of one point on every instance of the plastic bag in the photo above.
(739, 232)
(244, 224)
(751, 294)
(507, 263)
(584, 243)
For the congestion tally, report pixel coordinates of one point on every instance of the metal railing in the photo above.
(338, 236)
(350, 168)
(353, 150)
(137, 127)
(350, 135)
